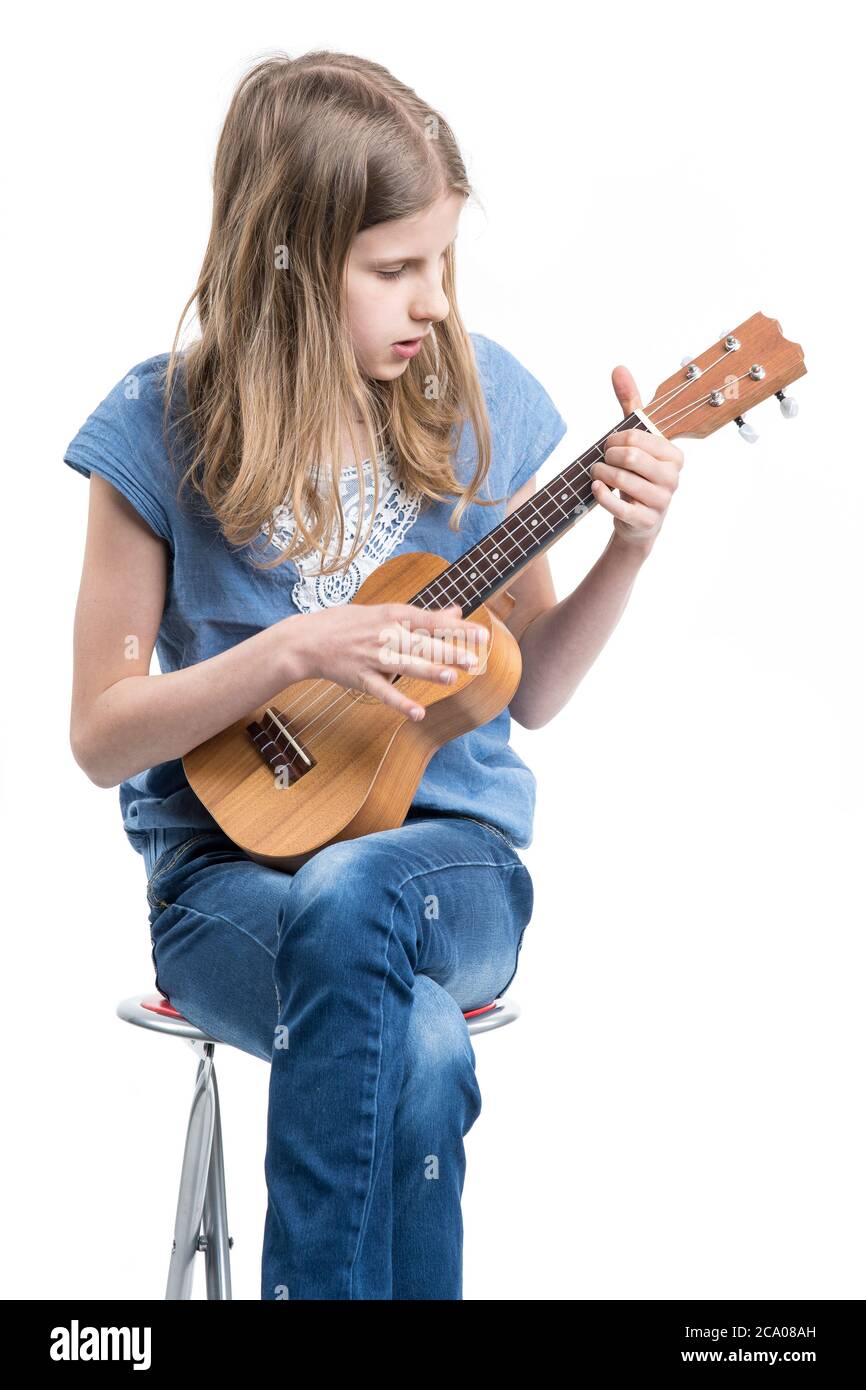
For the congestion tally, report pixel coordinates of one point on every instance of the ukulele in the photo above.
(320, 763)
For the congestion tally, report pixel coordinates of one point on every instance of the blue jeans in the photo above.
(351, 977)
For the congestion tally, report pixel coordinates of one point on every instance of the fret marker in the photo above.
(473, 574)
(496, 555)
(535, 521)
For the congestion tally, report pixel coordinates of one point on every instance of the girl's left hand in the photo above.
(646, 469)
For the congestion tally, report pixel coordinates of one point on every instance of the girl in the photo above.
(232, 518)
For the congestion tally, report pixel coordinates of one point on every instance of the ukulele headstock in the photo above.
(737, 372)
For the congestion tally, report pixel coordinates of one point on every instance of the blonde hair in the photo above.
(313, 151)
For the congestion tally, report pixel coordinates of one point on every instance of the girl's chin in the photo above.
(387, 370)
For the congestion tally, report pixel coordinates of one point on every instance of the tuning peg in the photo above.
(686, 360)
(787, 405)
(745, 430)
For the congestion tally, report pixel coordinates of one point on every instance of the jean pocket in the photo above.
(167, 861)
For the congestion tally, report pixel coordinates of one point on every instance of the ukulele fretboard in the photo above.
(491, 564)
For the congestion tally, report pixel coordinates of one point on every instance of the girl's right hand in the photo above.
(365, 646)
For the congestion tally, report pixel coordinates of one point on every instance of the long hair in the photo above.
(314, 150)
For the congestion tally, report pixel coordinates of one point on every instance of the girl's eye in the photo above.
(391, 274)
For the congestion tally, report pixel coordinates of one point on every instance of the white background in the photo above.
(678, 1111)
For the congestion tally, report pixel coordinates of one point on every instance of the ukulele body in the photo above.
(368, 758)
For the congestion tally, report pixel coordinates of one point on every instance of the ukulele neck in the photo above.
(497, 559)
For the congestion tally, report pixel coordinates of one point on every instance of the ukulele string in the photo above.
(571, 483)
(677, 415)
(338, 699)
(293, 710)
(683, 386)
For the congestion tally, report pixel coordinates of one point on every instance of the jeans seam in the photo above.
(495, 829)
(440, 868)
(365, 1209)
(159, 868)
(422, 873)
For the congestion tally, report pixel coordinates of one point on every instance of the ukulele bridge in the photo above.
(278, 748)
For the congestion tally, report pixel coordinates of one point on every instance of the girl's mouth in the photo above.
(407, 349)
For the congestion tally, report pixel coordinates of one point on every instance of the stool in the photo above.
(201, 1222)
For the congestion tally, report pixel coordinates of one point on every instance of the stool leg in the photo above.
(193, 1179)
(215, 1230)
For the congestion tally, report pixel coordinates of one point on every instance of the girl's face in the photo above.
(394, 284)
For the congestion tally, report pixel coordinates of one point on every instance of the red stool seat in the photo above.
(158, 1004)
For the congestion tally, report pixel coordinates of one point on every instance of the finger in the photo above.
(626, 390)
(632, 485)
(655, 445)
(404, 635)
(433, 617)
(635, 513)
(400, 648)
(372, 683)
(636, 464)
(441, 664)
(450, 649)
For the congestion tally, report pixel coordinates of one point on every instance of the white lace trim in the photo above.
(398, 509)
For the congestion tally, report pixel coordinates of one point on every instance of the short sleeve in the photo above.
(122, 441)
(526, 422)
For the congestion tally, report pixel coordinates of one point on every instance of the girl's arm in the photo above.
(125, 720)
(559, 641)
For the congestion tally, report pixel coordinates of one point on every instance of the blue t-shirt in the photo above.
(216, 598)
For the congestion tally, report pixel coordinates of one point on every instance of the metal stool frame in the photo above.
(201, 1221)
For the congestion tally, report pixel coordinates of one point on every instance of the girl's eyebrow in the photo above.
(406, 260)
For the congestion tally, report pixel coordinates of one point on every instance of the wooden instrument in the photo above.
(319, 763)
